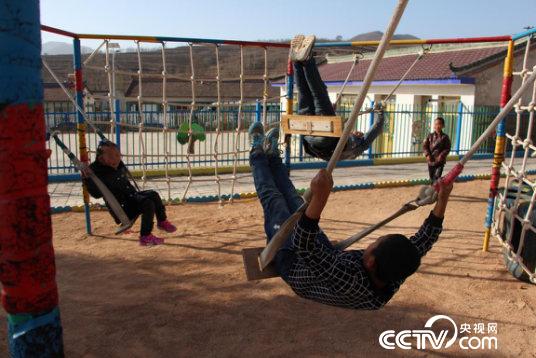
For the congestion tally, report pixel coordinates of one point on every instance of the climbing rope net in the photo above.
(224, 111)
(157, 165)
(516, 202)
(168, 132)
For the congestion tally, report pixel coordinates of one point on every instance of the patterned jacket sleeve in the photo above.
(336, 267)
(428, 234)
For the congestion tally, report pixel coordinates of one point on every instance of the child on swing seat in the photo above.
(314, 100)
(109, 168)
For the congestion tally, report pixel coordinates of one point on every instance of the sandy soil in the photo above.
(189, 298)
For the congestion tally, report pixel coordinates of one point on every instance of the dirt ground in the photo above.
(189, 297)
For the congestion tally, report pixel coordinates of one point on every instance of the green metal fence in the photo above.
(405, 130)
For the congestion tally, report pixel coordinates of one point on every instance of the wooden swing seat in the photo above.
(322, 126)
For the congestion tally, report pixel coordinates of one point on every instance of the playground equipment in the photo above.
(267, 255)
(29, 288)
(510, 217)
(188, 132)
(291, 124)
(27, 260)
(307, 125)
(326, 126)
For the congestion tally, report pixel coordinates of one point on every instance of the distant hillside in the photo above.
(59, 57)
(61, 48)
(377, 35)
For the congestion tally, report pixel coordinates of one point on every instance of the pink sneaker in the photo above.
(166, 226)
(150, 240)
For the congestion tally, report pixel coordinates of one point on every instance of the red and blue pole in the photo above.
(81, 124)
(500, 141)
(27, 265)
(289, 107)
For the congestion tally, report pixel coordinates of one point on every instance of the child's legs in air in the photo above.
(274, 205)
(284, 184)
(323, 105)
(318, 147)
(306, 104)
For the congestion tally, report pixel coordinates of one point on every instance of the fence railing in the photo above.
(404, 131)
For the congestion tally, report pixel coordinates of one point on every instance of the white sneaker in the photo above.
(301, 48)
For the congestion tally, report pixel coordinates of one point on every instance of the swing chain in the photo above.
(425, 49)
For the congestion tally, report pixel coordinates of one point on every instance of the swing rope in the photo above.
(341, 90)
(420, 56)
(407, 207)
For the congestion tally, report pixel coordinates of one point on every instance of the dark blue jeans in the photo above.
(314, 100)
(276, 192)
(279, 201)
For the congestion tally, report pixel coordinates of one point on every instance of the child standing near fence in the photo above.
(436, 148)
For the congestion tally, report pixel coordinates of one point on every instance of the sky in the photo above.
(281, 19)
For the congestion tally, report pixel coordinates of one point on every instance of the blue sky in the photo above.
(275, 19)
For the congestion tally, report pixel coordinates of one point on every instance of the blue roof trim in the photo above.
(445, 81)
(524, 34)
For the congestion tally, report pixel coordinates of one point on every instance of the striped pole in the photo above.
(117, 107)
(459, 119)
(81, 125)
(27, 264)
(371, 123)
(500, 141)
(289, 109)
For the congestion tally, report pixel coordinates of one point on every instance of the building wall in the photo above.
(404, 130)
(488, 90)
(488, 82)
(467, 121)
(401, 130)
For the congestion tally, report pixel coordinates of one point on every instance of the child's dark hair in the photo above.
(104, 144)
(441, 119)
(396, 258)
